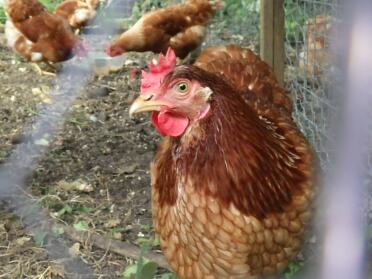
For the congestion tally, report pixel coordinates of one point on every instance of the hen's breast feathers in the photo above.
(236, 203)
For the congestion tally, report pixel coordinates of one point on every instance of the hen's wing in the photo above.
(32, 19)
(246, 72)
(181, 21)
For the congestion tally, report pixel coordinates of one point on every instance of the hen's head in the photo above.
(177, 96)
(114, 50)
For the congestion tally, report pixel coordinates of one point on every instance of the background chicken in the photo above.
(77, 12)
(39, 35)
(316, 56)
(181, 27)
(233, 180)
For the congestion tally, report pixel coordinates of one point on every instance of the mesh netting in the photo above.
(310, 72)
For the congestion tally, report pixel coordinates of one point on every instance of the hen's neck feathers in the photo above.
(234, 155)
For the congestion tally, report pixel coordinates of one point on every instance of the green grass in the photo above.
(2, 15)
(50, 4)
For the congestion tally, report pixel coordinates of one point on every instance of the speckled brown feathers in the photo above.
(181, 27)
(244, 70)
(231, 197)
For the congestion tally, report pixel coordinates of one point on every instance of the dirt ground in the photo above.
(95, 175)
(99, 149)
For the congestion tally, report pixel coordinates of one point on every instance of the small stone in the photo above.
(98, 92)
(117, 235)
(112, 223)
(22, 240)
(74, 250)
(129, 169)
(77, 185)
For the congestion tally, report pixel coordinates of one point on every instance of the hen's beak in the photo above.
(145, 103)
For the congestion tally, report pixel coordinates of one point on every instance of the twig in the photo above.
(116, 246)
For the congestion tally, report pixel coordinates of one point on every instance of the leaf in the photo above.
(83, 209)
(156, 242)
(149, 270)
(65, 209)
(130, 271)
(292, 269)
(146, 227)
(39, 238)
(81, 226)
(141, 260)
(142, 240)
(58, 230)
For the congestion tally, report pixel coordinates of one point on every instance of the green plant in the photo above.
(2, 15)
(81, 226)
(296, 16)
(292, 269)
(143, 269)
(50, 4)
(39, 238)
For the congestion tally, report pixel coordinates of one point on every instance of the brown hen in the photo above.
(233, 180)
(181, 27)
(77, 12)
(39, 35)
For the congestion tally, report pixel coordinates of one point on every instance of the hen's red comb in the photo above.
(151, 80)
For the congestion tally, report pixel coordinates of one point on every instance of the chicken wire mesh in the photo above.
(310, 72)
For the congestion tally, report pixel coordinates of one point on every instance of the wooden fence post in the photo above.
(272, 35)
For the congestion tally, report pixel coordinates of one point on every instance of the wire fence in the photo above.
(310, 72)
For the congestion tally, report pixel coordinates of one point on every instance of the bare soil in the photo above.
(99, 148)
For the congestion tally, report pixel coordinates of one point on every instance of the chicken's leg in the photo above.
(41, 72)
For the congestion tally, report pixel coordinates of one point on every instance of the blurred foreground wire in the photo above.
(70, 80)
(344, 231)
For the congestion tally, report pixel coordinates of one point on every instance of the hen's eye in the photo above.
(182, 87)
